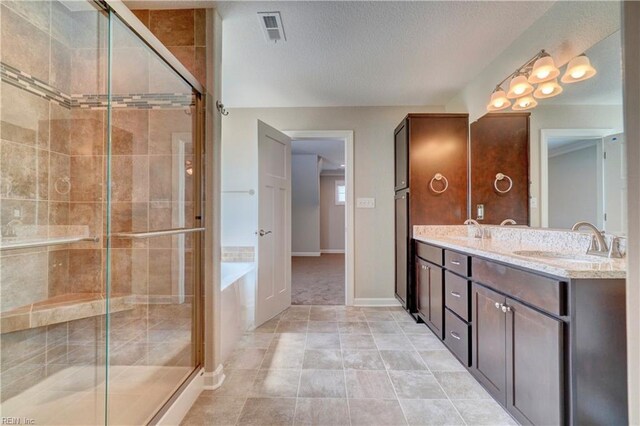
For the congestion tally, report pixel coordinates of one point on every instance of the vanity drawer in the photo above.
(457, 294)
(457, 336)
(428, 252)
(545, 293)
(456, 262)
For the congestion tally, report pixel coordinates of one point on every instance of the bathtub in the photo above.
(238, 282)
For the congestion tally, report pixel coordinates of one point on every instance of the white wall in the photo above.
(565, 117)
(332, 236)
(374, 169)
(305, 204)
(573, 187)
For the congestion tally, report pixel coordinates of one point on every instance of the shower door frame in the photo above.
(122, 12)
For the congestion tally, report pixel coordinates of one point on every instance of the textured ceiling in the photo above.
(330, 150)
(364, 53)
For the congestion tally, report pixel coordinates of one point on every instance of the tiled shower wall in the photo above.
(53, 172)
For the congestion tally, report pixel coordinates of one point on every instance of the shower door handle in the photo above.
(153, 234)
(262, 233)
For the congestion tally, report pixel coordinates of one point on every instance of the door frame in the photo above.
(347, 136)
(545, 135)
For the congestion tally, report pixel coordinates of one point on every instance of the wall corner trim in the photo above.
(214, 379)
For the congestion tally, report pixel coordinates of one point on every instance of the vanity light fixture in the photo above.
(542, 71)
(548, 89)
(519, 86)
(499, 100)
(524, 103)
(578, 69)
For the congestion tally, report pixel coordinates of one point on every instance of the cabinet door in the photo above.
(402, 157)
(534, 365)
(422, 288)
(489, 340)
(402, 246)
(436, 300)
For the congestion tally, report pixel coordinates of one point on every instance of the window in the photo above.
(341, 193)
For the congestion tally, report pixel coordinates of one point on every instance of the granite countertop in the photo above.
(502, 242)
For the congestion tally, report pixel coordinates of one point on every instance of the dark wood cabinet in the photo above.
(430, 295)
(534, 365)
(500, 144)
(402, 156)
(427, 145)
(402, 245)
(489, 341)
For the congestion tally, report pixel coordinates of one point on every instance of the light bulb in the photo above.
(547, 90)
(524, 104)
(542, 74)
(518, 90)
(498, 103)
(579, 73)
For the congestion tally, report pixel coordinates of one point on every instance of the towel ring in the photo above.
(439, 177)
(499, 177)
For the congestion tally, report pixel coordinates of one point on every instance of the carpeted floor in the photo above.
(317, 280)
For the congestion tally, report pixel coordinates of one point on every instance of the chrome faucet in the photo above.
(599, 245)
(508, 222)
(479, 229)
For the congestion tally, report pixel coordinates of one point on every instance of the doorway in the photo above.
(322, 218)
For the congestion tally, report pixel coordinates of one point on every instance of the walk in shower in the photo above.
(100, 197)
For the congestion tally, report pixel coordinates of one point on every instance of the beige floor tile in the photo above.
(322, 384)
(276, 383)
(353, 327)
(283, 358)
(460, 385)
(369, 384)
(245, 359)
(384, 327)
(416, 384)
(322, 359)
(237, 383)
(322, 411)
(383, 412)
(392, 342)
(441, 361)
(267, 411)
(323, 326)
(288, 340)
(402, 360)
(483, 412)
(323, 341)
(211, 409)
(357, 341)
(431, 412)
(285, 326)
(362, 359)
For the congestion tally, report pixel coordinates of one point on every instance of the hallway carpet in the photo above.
(317, 280)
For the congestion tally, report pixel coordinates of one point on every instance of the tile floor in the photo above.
(336, 365)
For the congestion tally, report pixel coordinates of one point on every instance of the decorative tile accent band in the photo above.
(40, 88)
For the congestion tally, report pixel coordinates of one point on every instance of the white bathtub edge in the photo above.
(181, 406)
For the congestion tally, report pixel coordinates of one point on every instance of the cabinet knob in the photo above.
(498, 305)
(506, 308)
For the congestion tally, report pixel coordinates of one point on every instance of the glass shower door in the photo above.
(153, 218)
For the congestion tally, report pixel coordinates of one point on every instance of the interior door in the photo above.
(273, 290)
(615, 185)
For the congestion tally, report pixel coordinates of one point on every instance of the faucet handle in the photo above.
(614, 248)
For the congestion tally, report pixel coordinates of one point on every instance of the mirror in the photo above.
(560, 162)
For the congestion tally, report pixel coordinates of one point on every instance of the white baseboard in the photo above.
(332, 251)
(214, 379)
(184, 402)
(306, 254)
(376, 302)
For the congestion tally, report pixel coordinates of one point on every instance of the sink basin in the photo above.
(569, 257)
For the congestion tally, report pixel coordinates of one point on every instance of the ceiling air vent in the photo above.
(271, 24)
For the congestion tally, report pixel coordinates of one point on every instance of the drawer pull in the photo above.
(456, 262)
(455, 294)
(454, 335)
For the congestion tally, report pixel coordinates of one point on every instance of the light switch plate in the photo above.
(533, 203)
(366, 203)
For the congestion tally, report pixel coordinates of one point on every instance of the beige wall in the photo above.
(374, 169)
(332, 236)
(305, 204)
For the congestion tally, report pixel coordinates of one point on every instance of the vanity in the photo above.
(543, 332)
